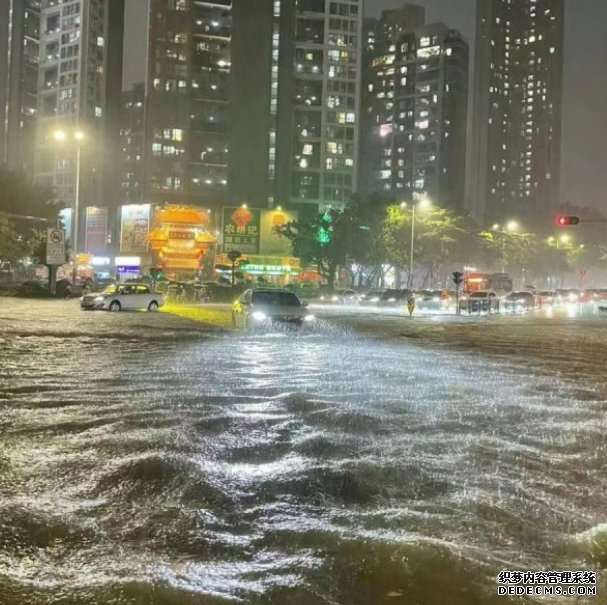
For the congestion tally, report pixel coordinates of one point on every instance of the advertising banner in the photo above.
(135, 226)
(271, 243)
(95, 240)
(241, 228)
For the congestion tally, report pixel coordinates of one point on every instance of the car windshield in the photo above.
(479, 295)
(280, 299)
(111, 289)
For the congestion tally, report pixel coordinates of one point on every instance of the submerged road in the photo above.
(148, 459)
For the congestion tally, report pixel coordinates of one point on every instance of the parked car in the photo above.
(124, 297)
(519, 301)
(482, 301)
(259, 310)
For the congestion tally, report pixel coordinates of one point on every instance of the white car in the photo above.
(123, 297)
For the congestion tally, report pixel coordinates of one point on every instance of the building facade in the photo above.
(294, 113)
(132, 145)
(516, 129)
(79, 86)
(186, 143)
(19, 57)
(416, 95)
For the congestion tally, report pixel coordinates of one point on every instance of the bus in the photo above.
(497, 282)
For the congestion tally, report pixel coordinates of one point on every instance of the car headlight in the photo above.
(309, 318)
(259, 316)
(335, 298)
(436, 299)
(99, 299)
(392, 300)
(322, 298)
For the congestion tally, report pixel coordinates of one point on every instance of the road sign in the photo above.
(582, 272)
(55, 236)
(55, 247)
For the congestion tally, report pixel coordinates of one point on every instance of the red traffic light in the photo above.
(563, 220)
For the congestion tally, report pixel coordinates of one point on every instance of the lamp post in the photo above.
(423, 205)
(78, 136)
(511, 227)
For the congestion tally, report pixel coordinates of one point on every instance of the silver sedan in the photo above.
(123, 297)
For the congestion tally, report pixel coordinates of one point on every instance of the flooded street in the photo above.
(146, 459)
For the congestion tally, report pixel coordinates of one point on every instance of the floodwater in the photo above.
(145, 459)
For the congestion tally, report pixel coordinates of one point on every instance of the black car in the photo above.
(434, 300)
(393, 298)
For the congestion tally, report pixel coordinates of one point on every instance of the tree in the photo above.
(324, 242)
(20, 197)
(12, 246)
(441, 235)
(363, 220)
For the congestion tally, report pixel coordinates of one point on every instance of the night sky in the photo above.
(584, 159)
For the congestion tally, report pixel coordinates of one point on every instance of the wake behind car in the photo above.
(260, 310)
(123, 297)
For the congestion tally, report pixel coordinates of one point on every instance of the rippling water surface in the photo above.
(145, 459)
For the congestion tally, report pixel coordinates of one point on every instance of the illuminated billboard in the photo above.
(135, 227)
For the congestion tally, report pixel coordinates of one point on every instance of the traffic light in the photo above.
(156, 273)
(563, 220)
(325, 230)
(458, 278)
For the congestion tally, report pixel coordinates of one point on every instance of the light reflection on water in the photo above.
(163, 466)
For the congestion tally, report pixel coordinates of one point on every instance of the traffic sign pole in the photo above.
(55, 255)
(582, 273)
(457, 280)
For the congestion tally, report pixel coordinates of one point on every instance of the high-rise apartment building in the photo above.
(186, 142)
(516, 130)
(132, 144)
(79, 85)
(19, 52)
(416, 94)
(294, 102)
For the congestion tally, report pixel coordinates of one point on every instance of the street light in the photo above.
(511, 227)
(61, 136)
(423, 204)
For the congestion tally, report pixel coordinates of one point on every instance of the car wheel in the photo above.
(153, 307)
(115, 306)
